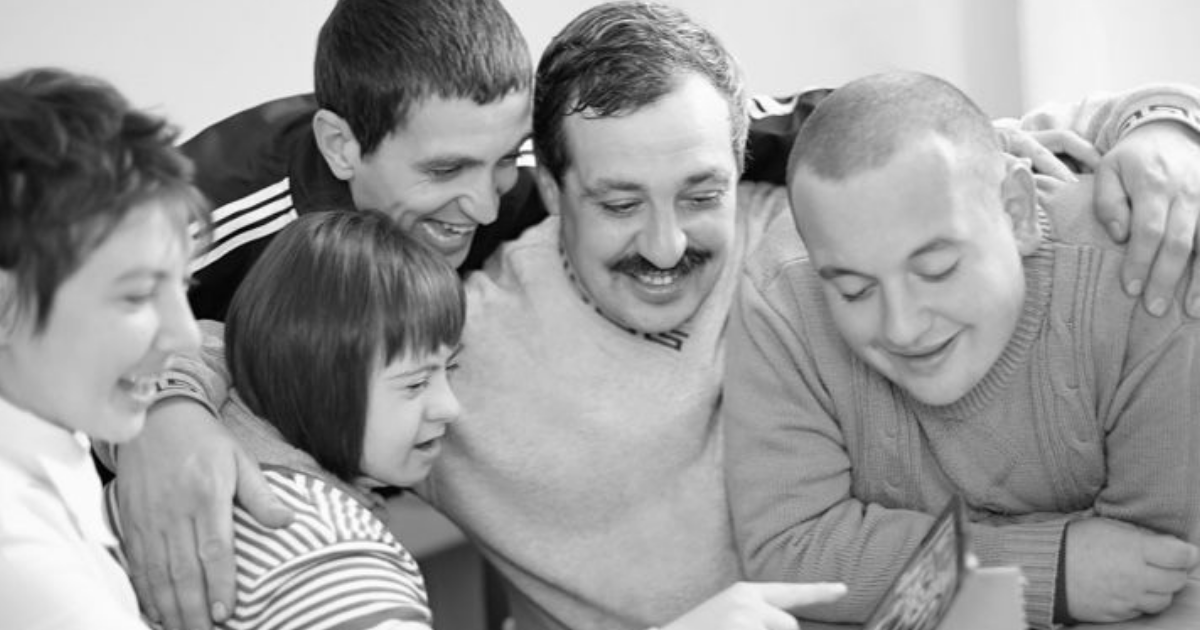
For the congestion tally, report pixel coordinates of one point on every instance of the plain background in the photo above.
(198, 61)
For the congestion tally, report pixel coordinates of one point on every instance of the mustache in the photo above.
(636, 264)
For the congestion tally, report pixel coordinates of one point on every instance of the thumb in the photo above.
(790, 596)
(255, 495)
(1167, 552)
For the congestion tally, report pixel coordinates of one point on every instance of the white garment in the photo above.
(56, 570)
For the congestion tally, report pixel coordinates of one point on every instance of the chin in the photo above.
(121, 430)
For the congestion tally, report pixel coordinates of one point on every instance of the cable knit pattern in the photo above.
(834, 473)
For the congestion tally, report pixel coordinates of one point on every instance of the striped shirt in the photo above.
(335, 567)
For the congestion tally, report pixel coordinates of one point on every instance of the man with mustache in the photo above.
(587, 466)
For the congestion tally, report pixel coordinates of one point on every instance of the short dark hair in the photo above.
(860, 126)
(618, 57)
(75, 158)
(332, 295)
(377, 58)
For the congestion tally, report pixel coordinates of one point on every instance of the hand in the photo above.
(1042, 148)
(1152, 178)
(756, 606)
(1117, 571)
(175, 485)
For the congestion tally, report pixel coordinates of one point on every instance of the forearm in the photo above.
(1152, 435)
(1104, 118)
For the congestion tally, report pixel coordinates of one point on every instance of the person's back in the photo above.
(941, 337)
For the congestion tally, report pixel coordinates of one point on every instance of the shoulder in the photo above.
(335, 563)
(527, 260)
(780, 257)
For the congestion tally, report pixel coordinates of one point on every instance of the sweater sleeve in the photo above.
(790, 477)
(1104, 118)
(203, 377)
(1152, 434)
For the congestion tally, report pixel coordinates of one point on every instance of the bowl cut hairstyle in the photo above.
(335, 296)
(75, 158)
(376, 59)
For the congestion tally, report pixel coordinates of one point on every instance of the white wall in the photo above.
(197, 61)
(1071, 47)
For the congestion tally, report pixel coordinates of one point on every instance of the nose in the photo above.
(443, 404)
(905, 318)
(662, 240)
(178, 331)
(481, 204)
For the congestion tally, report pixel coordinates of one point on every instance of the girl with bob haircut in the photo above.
(340, 344)
(95, 207)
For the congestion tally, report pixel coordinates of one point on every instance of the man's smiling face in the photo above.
(648, 205)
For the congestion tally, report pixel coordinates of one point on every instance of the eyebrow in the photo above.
(829, 272)
(606, 185)
(428, 366)
(450, 159)
(139, 273)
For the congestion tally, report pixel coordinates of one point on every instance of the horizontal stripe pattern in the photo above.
(335, 567)
(253, 217)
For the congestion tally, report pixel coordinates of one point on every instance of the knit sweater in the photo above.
(834, 473)
(587, 463)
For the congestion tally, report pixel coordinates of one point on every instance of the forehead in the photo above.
(686, 132)
(460, 125)
(919, 196)
(151, 237)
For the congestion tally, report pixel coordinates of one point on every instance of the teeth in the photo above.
(657, 278)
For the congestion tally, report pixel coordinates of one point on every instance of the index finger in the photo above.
(789, 596)
(1168, 552)
(1041, 158)
(1147, 232)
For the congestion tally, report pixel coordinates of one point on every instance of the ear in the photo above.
(1018, 194)
(337, 143)
(548, 189)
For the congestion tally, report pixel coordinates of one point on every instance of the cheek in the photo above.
(855, 323)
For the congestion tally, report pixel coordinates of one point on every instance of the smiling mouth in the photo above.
(925, 357)
(447, 235)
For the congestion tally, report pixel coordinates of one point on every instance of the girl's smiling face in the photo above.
(409, 404)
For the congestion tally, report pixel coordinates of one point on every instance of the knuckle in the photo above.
(214, 550)
(157, 573)
(184, 574)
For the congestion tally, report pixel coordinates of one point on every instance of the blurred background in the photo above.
(196, 62)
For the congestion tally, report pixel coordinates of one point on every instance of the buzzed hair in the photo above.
(859, 127)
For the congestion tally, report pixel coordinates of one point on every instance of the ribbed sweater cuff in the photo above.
(1035, 547)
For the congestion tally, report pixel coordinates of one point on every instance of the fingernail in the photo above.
(1116, 229)
(1134, 287)
(219, 612)
(1158, 306)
